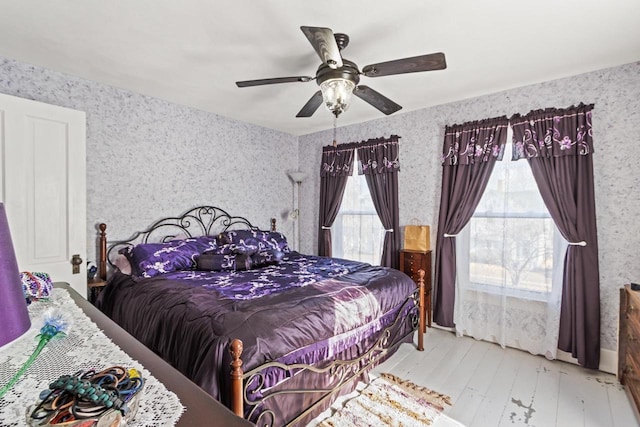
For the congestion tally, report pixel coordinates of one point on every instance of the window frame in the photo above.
(463, 252)
(337, 229)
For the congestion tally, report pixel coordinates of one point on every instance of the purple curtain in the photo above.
(469, 153)
(336, 167)
(558, 145)
(378, 161)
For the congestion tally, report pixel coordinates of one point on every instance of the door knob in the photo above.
(76, 261)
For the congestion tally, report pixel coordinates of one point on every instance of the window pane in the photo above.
(511, 233)
(514, 252)
(511, 190)
(361, 237)
(357, 231)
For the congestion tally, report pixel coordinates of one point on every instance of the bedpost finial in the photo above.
(273, 224)
(102, 263)
(236, 348)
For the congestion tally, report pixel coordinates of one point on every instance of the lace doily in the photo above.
(85, 347)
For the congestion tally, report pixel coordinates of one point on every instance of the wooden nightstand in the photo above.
(94, 287)
(412, 261)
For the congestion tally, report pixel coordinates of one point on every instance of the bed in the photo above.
(272, 333)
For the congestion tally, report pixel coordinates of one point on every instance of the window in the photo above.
(512, 240)
(509, 264)
(357, 232)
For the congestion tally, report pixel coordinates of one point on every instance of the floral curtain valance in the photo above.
(553, 132)
(378, 155)
(338, 160)
(474, 142)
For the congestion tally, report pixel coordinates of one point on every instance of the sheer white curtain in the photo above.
(357, 231)
(509, 264)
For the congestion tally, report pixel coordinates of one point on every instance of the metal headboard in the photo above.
(199, 221)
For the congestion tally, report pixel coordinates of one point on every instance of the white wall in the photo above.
(148, 158)
(616, 124)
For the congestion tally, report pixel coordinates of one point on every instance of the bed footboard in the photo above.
(244, 383)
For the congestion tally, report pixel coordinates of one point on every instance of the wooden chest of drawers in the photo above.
(410, 263)
(629, 344)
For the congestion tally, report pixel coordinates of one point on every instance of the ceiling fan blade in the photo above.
(311, 106)
(261, 82)
(376, 99)
(433, 61)
(324, 42)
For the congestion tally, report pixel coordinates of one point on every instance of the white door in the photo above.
(42, 184)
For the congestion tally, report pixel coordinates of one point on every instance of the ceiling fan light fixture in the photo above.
(336, 94)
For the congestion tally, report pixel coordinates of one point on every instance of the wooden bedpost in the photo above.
(273, 224)
(102, 266)
(237, 398)
(421, 326)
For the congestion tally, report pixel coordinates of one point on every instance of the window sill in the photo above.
(509, 292)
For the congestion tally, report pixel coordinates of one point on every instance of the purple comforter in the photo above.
(304, 309)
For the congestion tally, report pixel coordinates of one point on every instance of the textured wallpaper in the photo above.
(148, 158)
(616, 121)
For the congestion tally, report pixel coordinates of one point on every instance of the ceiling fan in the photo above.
(338, 78)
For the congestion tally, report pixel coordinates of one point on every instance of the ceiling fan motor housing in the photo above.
(348, 71)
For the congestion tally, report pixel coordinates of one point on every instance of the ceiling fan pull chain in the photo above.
(335, 122)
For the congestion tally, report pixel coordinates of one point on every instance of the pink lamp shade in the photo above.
(14, 317)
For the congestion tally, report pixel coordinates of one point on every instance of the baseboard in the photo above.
(608, 358)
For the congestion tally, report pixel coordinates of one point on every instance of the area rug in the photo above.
(389, 401)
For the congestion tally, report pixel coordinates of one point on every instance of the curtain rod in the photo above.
(393, 139)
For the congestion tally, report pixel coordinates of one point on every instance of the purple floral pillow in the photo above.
(207, 243)
(277, 241)
(251, 241)
(268, 257)
(216, 262)
(151, 259)
(213, 261)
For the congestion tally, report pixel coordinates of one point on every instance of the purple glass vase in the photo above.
(14, 317)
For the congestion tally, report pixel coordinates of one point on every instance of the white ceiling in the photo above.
(193, 51)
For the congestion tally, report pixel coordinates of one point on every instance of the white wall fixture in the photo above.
(297, 177)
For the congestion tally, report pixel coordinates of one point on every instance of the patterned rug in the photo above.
(389, 401)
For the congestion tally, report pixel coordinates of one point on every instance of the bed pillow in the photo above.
(268, 257)
(151, 259)
(213, 261)
(247, 241)
(217, 262)
(234, 242)
(224, 262)
(122, 263)
(205, 243)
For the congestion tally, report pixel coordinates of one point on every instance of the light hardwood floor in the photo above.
(491, 386)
